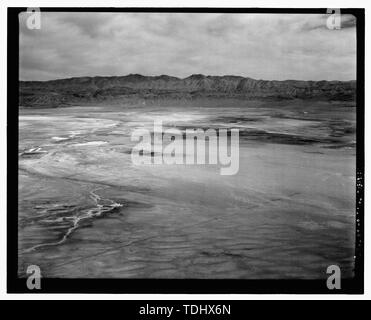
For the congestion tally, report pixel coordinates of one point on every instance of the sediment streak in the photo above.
(97, 211)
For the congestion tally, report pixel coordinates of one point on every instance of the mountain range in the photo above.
(62, 92)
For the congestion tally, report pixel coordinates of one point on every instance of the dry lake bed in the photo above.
(86, 211)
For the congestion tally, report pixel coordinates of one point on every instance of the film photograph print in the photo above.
(191, 150)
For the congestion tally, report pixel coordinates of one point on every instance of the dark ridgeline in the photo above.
(96, 89)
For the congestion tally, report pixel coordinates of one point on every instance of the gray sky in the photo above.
(260, 46)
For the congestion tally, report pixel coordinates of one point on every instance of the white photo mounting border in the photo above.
(53, 285)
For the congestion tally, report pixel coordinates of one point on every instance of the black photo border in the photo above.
(194, 286)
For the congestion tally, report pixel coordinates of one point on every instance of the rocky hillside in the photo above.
(62, 92)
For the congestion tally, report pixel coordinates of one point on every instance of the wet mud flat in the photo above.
(85, 211)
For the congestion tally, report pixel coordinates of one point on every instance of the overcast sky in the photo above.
(260, 46)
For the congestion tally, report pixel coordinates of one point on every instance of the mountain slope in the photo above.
(97, 89)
